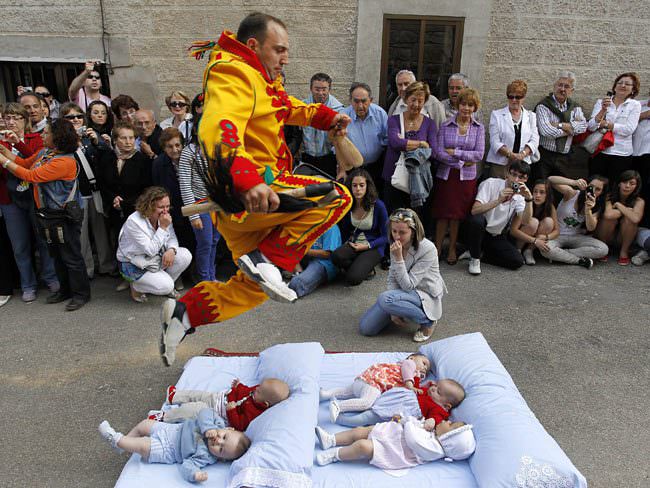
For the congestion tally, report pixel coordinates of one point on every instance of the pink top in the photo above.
(385, 376)
(83, 101)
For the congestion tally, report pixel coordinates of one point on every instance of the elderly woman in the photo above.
(17, 204)
(53, 171)
(620, 114)
(178, 104)
(415, 287)
(408, 132)
(148, 255)
(513, 132)
(459, 148)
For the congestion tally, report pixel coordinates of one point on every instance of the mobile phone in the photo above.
(27, 89)
(610, 93)
(590, 190)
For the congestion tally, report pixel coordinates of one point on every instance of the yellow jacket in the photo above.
(245, 110)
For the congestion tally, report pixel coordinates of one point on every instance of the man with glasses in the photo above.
(455, 84)
(432, 107)
(148, 133)
(85, 87)
(559, 119)
(496, 203)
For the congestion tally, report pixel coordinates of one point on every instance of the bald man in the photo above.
(148, 133)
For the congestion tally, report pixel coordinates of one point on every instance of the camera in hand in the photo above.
(610, 93)
(515, 187)
(590, 191)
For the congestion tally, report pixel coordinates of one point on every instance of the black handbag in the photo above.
(51, 221)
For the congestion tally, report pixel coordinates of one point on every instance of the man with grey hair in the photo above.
(432, 108)
(455, 84)
(559, 119)
(148, 132)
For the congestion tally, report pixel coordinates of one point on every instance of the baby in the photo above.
(433, 403)
(398, 444)
(194, 444)
(238, 406)
(374, 381)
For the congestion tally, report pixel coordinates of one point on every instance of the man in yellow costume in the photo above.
(244, 113)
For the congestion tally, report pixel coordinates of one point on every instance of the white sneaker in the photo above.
(110, 435)
(474, 266)
(335, 410)
(123, 285)
(268, 276)
(4, 299)
(325, 439)
(465, 255)
(173, 332)
(641, 257)
(529, 259)
(327, 457)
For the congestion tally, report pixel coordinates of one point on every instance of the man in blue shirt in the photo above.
(320, 268)
(368, 129)
(317, 150)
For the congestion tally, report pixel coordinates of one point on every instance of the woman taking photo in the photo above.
(363, 229)
(53, 171)
(148, 255)
(620, 114)
(541, 228)
(409, 132)
(415, 287)
(178, 104)
(17, 204)
(577, 214)
(623, 212)
(513, 132)
(459, 147)
(100, 119)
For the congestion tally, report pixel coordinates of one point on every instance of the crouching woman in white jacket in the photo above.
(148, 254)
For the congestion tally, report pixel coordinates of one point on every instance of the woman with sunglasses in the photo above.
(178, 104)
(17, 204)
(415, 286)
(513, 132)
(620, 114)
(90, 145)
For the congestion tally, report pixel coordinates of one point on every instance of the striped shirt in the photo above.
(189, 180)
(547, 123)
(468, 148)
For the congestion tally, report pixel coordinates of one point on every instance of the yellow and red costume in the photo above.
(245, 110)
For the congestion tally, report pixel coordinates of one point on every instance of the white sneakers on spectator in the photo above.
(110, 435)
(327, 457)
(465, 255)
(4, 299)
(474, 266)
(267, 275)
(29, 296)
(325, 439)
(335, 410)
(641, 257)
(529, 259)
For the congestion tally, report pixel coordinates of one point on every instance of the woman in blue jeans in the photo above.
(415, 286)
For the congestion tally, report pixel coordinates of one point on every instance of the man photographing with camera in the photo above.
(84, 89)
(496, 203)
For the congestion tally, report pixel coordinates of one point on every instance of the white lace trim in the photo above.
(271, 478)
(536, 475)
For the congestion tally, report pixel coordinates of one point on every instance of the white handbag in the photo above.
(400, 178)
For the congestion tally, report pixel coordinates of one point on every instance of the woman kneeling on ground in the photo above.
(148, 254)
(577, 214)
(541, 228)
(415, 286)
(623, 212)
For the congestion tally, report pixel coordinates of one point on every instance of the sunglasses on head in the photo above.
(43, 94)
(94, 77)
(177, 104)
(73, 116)
(515, 97)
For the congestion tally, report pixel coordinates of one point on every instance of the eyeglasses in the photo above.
(44, 94)
(74, 116)
(515, 97)
(94, 77)
(177, 104)
(13, 118)
(565, 86)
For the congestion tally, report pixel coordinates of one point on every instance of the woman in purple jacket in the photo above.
(364, 230)
(459, 147)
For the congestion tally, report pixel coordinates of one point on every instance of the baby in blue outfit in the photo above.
(193, 444)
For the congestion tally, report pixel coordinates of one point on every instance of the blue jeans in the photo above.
(404, 304)
(22, 233)
(206, 249)
(310, 278)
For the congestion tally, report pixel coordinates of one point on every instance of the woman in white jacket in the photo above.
(513, 132)
(148, 254)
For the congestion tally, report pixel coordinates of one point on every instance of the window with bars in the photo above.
(428, 46)
(55, 76)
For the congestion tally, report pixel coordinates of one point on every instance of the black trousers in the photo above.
(497, 250)
(8, 269)
(325, 163)
(610, 166)
(571, 165)
(357, 265)
(69, 263)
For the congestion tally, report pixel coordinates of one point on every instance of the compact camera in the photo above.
(590, 191)
(516, 187)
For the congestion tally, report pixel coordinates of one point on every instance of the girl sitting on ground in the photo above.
(541, 228)
(623, 212)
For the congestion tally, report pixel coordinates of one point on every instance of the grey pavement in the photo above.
(575, 341)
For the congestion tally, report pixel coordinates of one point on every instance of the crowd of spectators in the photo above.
(541, 180)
